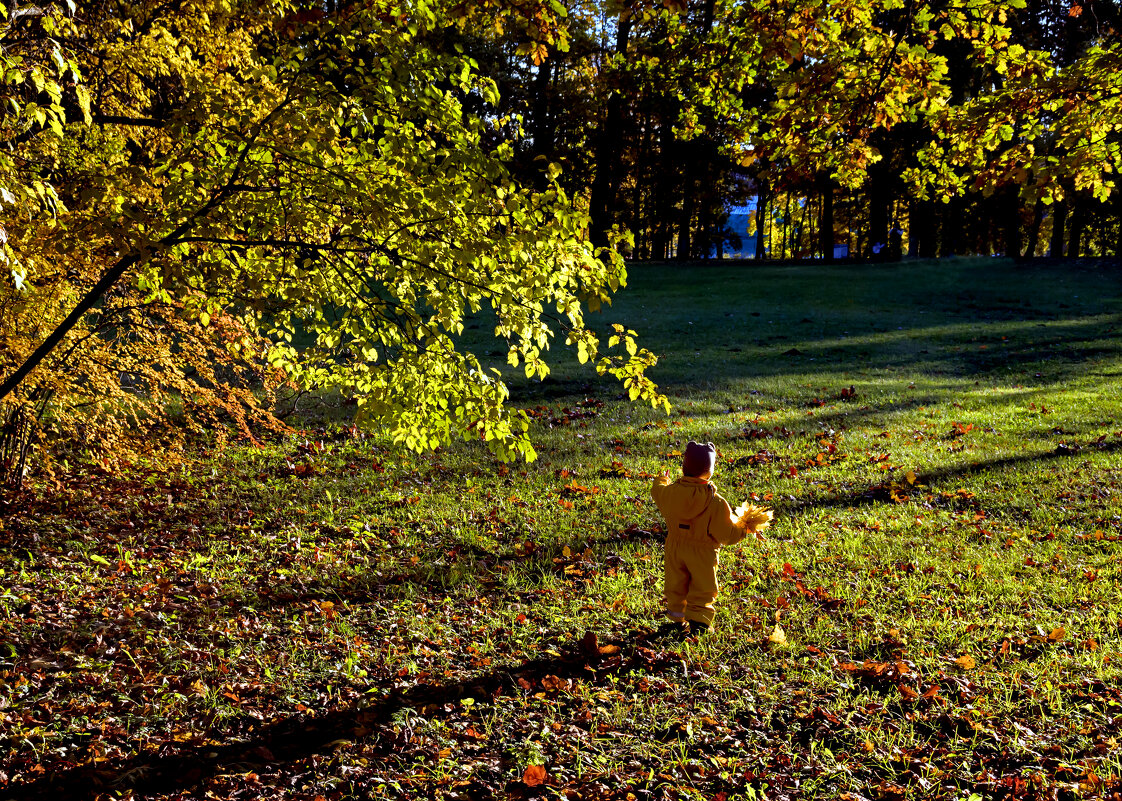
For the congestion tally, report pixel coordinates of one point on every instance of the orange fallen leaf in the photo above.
(555, 684)
(534, 775)
(966, 662)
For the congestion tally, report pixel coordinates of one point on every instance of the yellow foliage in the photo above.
(753, 519)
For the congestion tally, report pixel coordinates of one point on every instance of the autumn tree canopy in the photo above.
(301, 190)
(205, 201)
(949, 121)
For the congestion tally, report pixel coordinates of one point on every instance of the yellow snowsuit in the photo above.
(698, 523)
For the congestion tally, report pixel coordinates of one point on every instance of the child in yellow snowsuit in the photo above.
(698, 523)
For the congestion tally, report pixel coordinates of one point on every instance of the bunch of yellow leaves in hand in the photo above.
(752, 519)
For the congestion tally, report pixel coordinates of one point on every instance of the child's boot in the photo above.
(697, 628)
(676, 626)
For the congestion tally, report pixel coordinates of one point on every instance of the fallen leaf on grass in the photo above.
(777, 636)
(554, 684)
(591, 646)
(304, 469)
(1057, 634)
(534, 775)
(888, 791)
(966, 662)
(472, 734)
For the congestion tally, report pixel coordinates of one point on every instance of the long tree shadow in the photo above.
(1016, 318)
(290, 739)
(472, 564)
(880, 492)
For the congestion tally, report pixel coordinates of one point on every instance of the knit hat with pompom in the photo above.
(699, 460)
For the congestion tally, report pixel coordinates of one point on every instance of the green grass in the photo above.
(941, 445)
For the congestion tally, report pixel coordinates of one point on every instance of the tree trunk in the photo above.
(826, 226)
(923, 229)
(1034, 230)
(639, 226)
(1118, 215)
(761, 219)
(880, 199)
(1059, 223)
(797, 243)
(813, 226)
(602, 203)
(664, 200)
(850, 244)
(704, 235)
(1012, 233)
(1078, 227)
(952, 228)
(695, 163)
(542, 123)
(786, 228)
(771, 234)
(685, 218)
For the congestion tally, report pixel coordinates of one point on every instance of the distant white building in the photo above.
(740, 223)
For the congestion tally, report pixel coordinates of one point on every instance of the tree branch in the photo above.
(116, 119)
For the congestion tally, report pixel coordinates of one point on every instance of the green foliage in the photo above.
(313, 179)
(1048, 129)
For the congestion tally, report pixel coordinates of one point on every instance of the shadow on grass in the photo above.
(846, 412)
(285, 741)
(1030, 358)
(880, 493)
(970, 351)
(471, 564)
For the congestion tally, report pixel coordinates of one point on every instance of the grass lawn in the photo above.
(934, 614)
